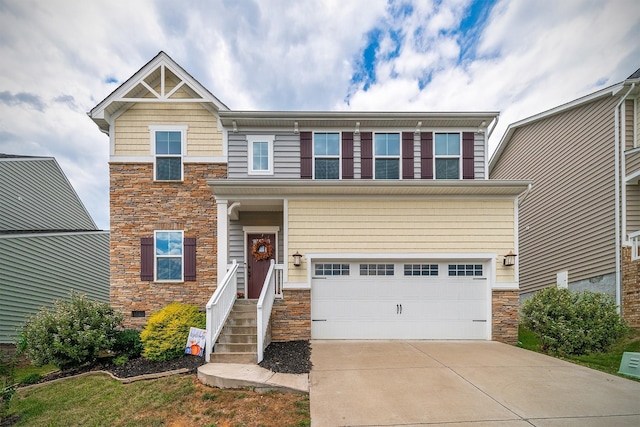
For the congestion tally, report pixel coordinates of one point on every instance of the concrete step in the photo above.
(231, 375)
(235, 347)
(241, 330)
(238, 338)
(232, 321)
(224, 357)
(244, 307)
(242, 315)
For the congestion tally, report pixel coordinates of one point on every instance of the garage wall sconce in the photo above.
(297, 259)
(509, 259)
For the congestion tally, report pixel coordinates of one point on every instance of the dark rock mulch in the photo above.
(290, 357)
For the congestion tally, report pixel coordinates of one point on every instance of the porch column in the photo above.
(222, 238)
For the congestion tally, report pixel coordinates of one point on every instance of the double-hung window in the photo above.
(326, 155)
(168, 144)
(387, 155)
(169, 255)
(260, 154)
(447, 155)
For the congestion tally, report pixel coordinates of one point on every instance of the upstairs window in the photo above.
(169, 253)
(387, 155)
(447, 155)
(168, 144)
(260, 154)
(326, 155)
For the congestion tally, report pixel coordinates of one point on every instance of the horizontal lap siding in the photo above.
(406, 226)
(633, 208)
(37, 270)
(632, 162)
(567, 221)
(628, 124)
(132, 128)
(286, 155)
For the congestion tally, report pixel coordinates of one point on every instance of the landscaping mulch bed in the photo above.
(290, 357)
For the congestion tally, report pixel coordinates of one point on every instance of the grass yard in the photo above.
(607, 362)
(179, 400)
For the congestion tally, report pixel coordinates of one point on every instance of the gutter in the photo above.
(524, 195)
(618, 147)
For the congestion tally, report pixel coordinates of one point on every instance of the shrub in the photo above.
(72, 334)
(128, 344)
(31, 379)
(7, 381)
(166, 333)
(573, 322)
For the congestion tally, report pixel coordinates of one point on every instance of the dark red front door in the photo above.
(261, 249)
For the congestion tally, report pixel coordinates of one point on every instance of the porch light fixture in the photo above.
(509, 259)
(297, 259)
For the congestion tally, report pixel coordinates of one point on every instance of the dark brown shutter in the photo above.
(146, 259)
(347, 155)
(467, 155)
(306, 155)
(426, 155)
(407, 155)
(366, 155)
(189, 259)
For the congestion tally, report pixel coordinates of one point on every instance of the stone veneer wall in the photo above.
(291, 316)
(505, 311)
(630, 289)
(138, 207)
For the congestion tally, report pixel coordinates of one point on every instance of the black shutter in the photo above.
(467, 156)
(366, 155)
(146, 259)
(407, 155)
(347, 155)
(189, 259)
(426, 155)
(306, 155)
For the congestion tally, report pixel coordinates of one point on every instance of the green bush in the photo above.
(72, 334)
(7, 381)
(166, 333)
(573, 322)
(128, 343)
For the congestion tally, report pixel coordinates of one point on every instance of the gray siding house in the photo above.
(579, 226)
(49, 245)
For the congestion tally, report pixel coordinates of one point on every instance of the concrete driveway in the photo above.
(456, 383)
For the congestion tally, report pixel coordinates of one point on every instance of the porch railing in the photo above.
(271, 290)
(219, 307)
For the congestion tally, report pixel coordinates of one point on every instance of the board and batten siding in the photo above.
(566, 223)
(36, 270)
(132, 137)
(400, 226)
(286, 155)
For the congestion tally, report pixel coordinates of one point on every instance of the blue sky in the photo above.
(520, 57)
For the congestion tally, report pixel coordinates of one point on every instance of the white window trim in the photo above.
(269, 139)
(398, 157)
(314, 156)
(155, 257)
(447, 156)
(634, 240)
(183, 137)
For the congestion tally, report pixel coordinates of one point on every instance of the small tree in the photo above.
(166, 333)
(72, 334)
(573, 322)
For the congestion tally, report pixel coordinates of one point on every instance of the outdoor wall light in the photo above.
(509, 259)
(297, 259)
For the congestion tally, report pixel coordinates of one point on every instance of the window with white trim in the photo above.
(635, 245)
(260, 154)
(326, 155)
(387, 156)
(328, 269)
(377, 270)
(168, 144)
(421, 269)
(169, 254)
(465, 270)
(447, 155)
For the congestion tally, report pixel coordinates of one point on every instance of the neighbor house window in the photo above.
(387, 155)
(635, 245)
(260, 154)
(447, 155)
(168, 147)
(168, 255)
(465, 269)
(326, 155)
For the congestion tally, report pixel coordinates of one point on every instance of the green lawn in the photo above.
(607, 362)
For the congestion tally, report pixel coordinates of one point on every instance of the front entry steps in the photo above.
(238, 341)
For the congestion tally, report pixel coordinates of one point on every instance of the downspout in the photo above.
(618, 148)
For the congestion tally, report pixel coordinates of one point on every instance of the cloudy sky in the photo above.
(62, 57)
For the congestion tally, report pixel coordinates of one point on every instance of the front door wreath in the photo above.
(262, 249)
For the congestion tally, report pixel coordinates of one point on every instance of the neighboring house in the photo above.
(400, 231)
(580, 225)
(49, 245)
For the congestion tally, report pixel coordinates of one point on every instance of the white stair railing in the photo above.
(271, 289)
(219, 307)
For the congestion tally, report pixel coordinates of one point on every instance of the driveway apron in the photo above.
(461, 383)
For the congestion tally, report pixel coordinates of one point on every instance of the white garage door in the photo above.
(399, 300)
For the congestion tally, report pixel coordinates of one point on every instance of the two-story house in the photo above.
(580, 225)
(364, 225)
